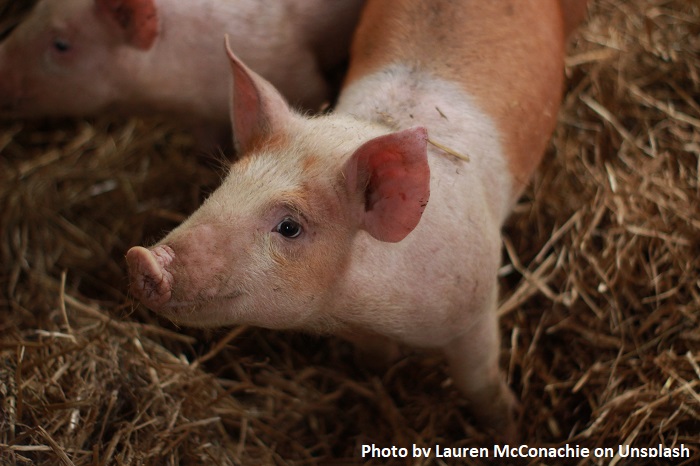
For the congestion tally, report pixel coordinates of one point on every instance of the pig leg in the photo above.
(473, 362)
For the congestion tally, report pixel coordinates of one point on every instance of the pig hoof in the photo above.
(507, 412)
(499, 413)
(151, 283)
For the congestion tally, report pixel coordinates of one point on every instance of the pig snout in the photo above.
(151, 282)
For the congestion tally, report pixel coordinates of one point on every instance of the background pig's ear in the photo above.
(136, 19)
(257, 108)
(392, 176)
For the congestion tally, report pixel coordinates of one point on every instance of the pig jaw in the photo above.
(10, 91)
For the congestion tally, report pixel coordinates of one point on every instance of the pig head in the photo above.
(272, 245)
(66, 58)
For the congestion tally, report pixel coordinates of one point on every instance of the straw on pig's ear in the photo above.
(258, 110)
(390, 174)
(136, 20)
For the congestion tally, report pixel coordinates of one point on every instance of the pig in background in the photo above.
(143, 57)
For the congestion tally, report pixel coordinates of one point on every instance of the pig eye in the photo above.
(61, 45)
(288, 228)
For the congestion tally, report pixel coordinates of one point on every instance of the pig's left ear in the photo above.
(258, 110)
(390, 174)
(137, 20)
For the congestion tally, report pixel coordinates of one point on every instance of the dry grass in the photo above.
(600, 310)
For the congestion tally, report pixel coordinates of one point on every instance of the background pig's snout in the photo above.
(10, 91)
(151, 282)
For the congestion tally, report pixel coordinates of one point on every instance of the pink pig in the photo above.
(324, 225)
(82, 57)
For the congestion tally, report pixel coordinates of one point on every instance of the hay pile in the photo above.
(600, 306)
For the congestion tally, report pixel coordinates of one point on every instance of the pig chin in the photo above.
(19, 102)
(233, 309)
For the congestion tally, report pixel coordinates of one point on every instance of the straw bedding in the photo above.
(600, 291)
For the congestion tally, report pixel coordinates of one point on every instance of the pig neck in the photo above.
(457, 241)
(400, 97)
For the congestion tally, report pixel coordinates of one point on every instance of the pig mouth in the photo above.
(193, 312)
(153, 282)
(198, 303)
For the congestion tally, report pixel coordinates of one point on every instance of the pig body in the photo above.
(325, 224)
(84, 57)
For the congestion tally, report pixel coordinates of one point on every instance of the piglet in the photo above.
(324, 225)
(84, 57)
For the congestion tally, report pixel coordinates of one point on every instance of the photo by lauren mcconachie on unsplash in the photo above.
(599, 306)
(567, 451)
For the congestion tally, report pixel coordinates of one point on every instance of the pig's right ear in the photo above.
(390, 177)
(136, 20)
(258, 110)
